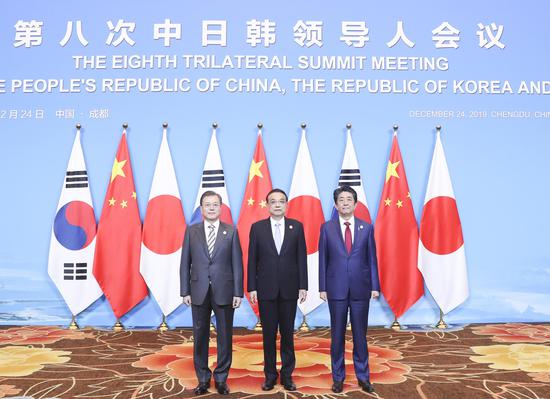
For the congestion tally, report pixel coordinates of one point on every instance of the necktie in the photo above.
(211, 239)
(347, 237)
(278, 240)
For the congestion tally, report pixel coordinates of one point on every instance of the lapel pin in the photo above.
(225, 232)
(360, 227)
(290, 227)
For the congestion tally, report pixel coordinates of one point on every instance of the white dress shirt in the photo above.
(281, 227)
(351, 222)
(216, 225)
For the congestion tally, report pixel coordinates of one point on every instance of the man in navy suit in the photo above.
(348, 278)
(277, 278)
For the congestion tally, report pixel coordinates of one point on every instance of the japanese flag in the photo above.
(441, 256)
(163, 231)
(304, 205)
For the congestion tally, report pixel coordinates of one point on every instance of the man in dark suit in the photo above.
(348, 278)
(211, 274)
(277, 277)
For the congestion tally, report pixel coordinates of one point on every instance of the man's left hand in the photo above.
(302, 294)
(375, 294)
(236, 302)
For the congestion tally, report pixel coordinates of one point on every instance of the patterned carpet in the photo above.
(478, 361)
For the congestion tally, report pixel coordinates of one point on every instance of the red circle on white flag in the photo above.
(362, 212)
(164, 225)
(308, 210)
(440, 229)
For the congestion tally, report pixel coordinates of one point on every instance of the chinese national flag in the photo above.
(254, 206)
(396, 234)
(117, 252)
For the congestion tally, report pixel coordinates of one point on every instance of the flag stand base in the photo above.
(258, 326)
(118, 326)
(73, 325)
(395, 325)
(441, 323)
(304, 327)
(163, 326)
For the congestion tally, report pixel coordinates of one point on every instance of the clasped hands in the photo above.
(302, 295)
(236, 301)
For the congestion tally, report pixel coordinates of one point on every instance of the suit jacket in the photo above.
(341, 273)
(224, 271)
(271, 273)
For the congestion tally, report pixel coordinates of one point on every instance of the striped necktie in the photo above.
(211, 239)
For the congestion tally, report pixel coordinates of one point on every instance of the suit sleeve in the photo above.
(237, 265)
(322, 260)
(252, 260)
(302, 259)
(372, 260)
(185, 265)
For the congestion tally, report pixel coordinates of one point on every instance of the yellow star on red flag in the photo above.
(255, 170)
(391, 171)
(118, 169)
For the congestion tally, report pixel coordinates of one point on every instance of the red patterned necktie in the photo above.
(347, 237)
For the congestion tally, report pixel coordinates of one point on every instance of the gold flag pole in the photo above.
(118, 326)
(441, 323)
(73, 325)
(258, 326)
(163, 326)
(395, 325)
(304, 326)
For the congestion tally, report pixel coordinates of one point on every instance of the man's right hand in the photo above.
(253, 296)
(323, 295)
(187, 300)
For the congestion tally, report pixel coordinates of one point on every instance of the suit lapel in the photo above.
(338, 232)
(288, 229)
(358, 227)
(222, 233)
(202, 236)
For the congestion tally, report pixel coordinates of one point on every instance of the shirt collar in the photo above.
(216, 224)
(273, 221)
(351, 221)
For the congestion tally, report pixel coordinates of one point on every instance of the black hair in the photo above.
(210, 193)
(276, 190)
(344, 189)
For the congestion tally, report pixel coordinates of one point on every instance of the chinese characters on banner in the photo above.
(258, 33)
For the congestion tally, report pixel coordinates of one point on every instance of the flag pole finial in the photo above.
(260, 125)
(303, 125)
(348, 125)
(165, 125)
(438, 128)
(125, 125)
(395, 128)
(78, 126)
(215, 125)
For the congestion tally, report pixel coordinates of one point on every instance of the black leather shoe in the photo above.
(337, 386)
(289, 384)
(202, 388)
(366, 386)
(268, 385)
(222, 388)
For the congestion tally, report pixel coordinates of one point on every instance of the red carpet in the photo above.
(477, 361)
